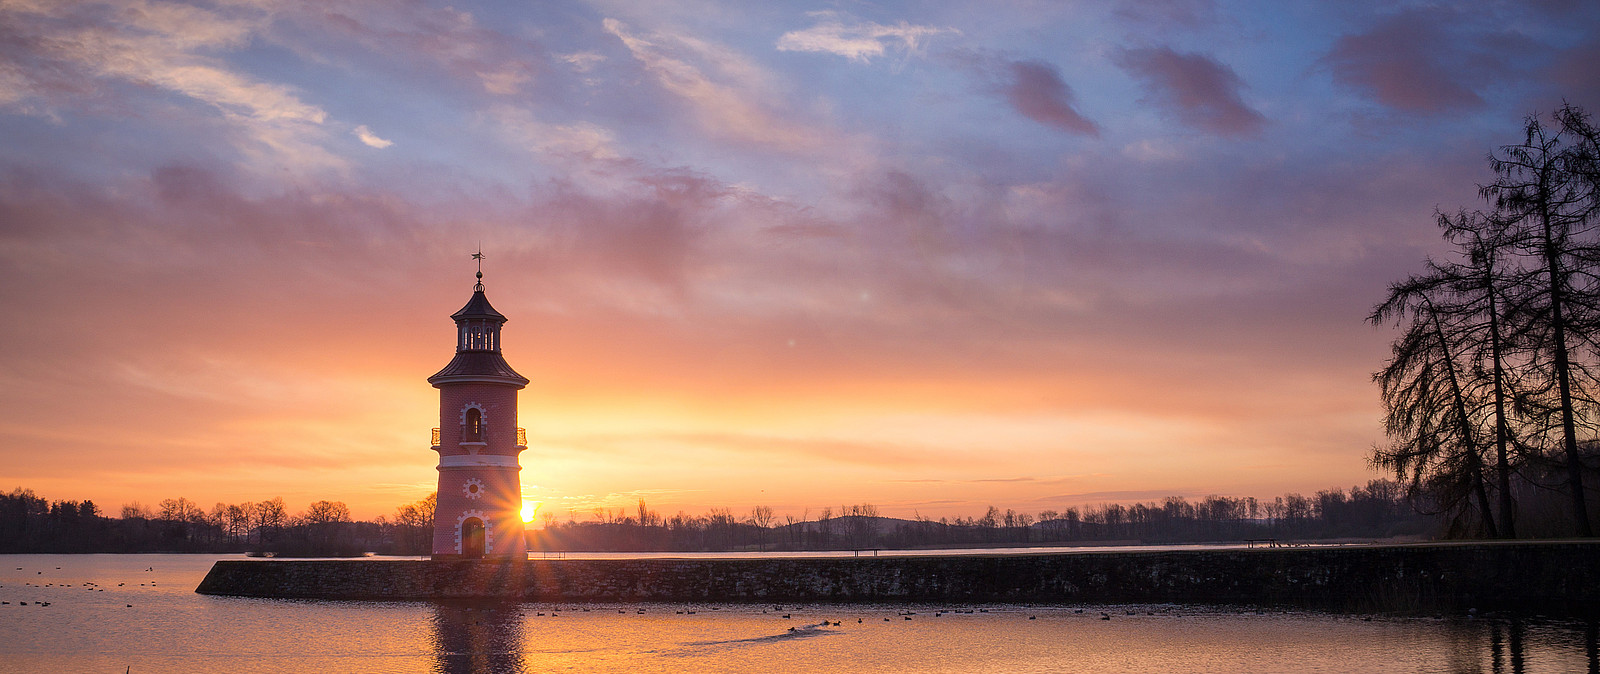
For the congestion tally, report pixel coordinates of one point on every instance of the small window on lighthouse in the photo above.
(474, 429)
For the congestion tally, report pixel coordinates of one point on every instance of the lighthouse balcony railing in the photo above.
(522, 437)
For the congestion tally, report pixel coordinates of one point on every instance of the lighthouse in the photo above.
(479, 511)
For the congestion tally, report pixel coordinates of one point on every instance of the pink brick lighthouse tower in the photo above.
(480, 490)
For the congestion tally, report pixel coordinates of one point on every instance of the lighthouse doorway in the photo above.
(472, 539)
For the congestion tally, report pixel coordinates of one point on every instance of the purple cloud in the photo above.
(1413, 62)
(1036, 90)
(1195, 89)
(1576, 76)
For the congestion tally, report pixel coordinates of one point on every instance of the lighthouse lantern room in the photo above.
(479, 510)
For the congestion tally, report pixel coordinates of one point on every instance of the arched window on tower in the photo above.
(474, 429)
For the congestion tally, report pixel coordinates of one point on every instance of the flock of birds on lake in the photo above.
(788, 614)
(87, 585)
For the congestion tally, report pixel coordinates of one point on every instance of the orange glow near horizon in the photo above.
(686, 426)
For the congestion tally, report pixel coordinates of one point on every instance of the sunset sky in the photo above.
(932, 256)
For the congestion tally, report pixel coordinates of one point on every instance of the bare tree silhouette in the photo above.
(1545, 196)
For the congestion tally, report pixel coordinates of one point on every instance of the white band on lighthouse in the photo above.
(478, 461)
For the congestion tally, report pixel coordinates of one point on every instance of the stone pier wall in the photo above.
(1545, 577)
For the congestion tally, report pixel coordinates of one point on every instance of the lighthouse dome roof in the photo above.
(478, 307)
(478, 366)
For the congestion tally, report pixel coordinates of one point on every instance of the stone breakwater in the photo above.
(1544, 577)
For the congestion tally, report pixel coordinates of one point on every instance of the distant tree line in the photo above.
(1379, 509)
(1490, 390)
(30, 523)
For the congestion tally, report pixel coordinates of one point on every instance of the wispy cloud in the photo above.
(860, 41)
(417, 39)
(578, 140)
(167, 46)
(729, 95)
(371, 139)
(582, 61)
(507, 80)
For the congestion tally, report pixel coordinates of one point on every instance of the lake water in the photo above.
(139, 613)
